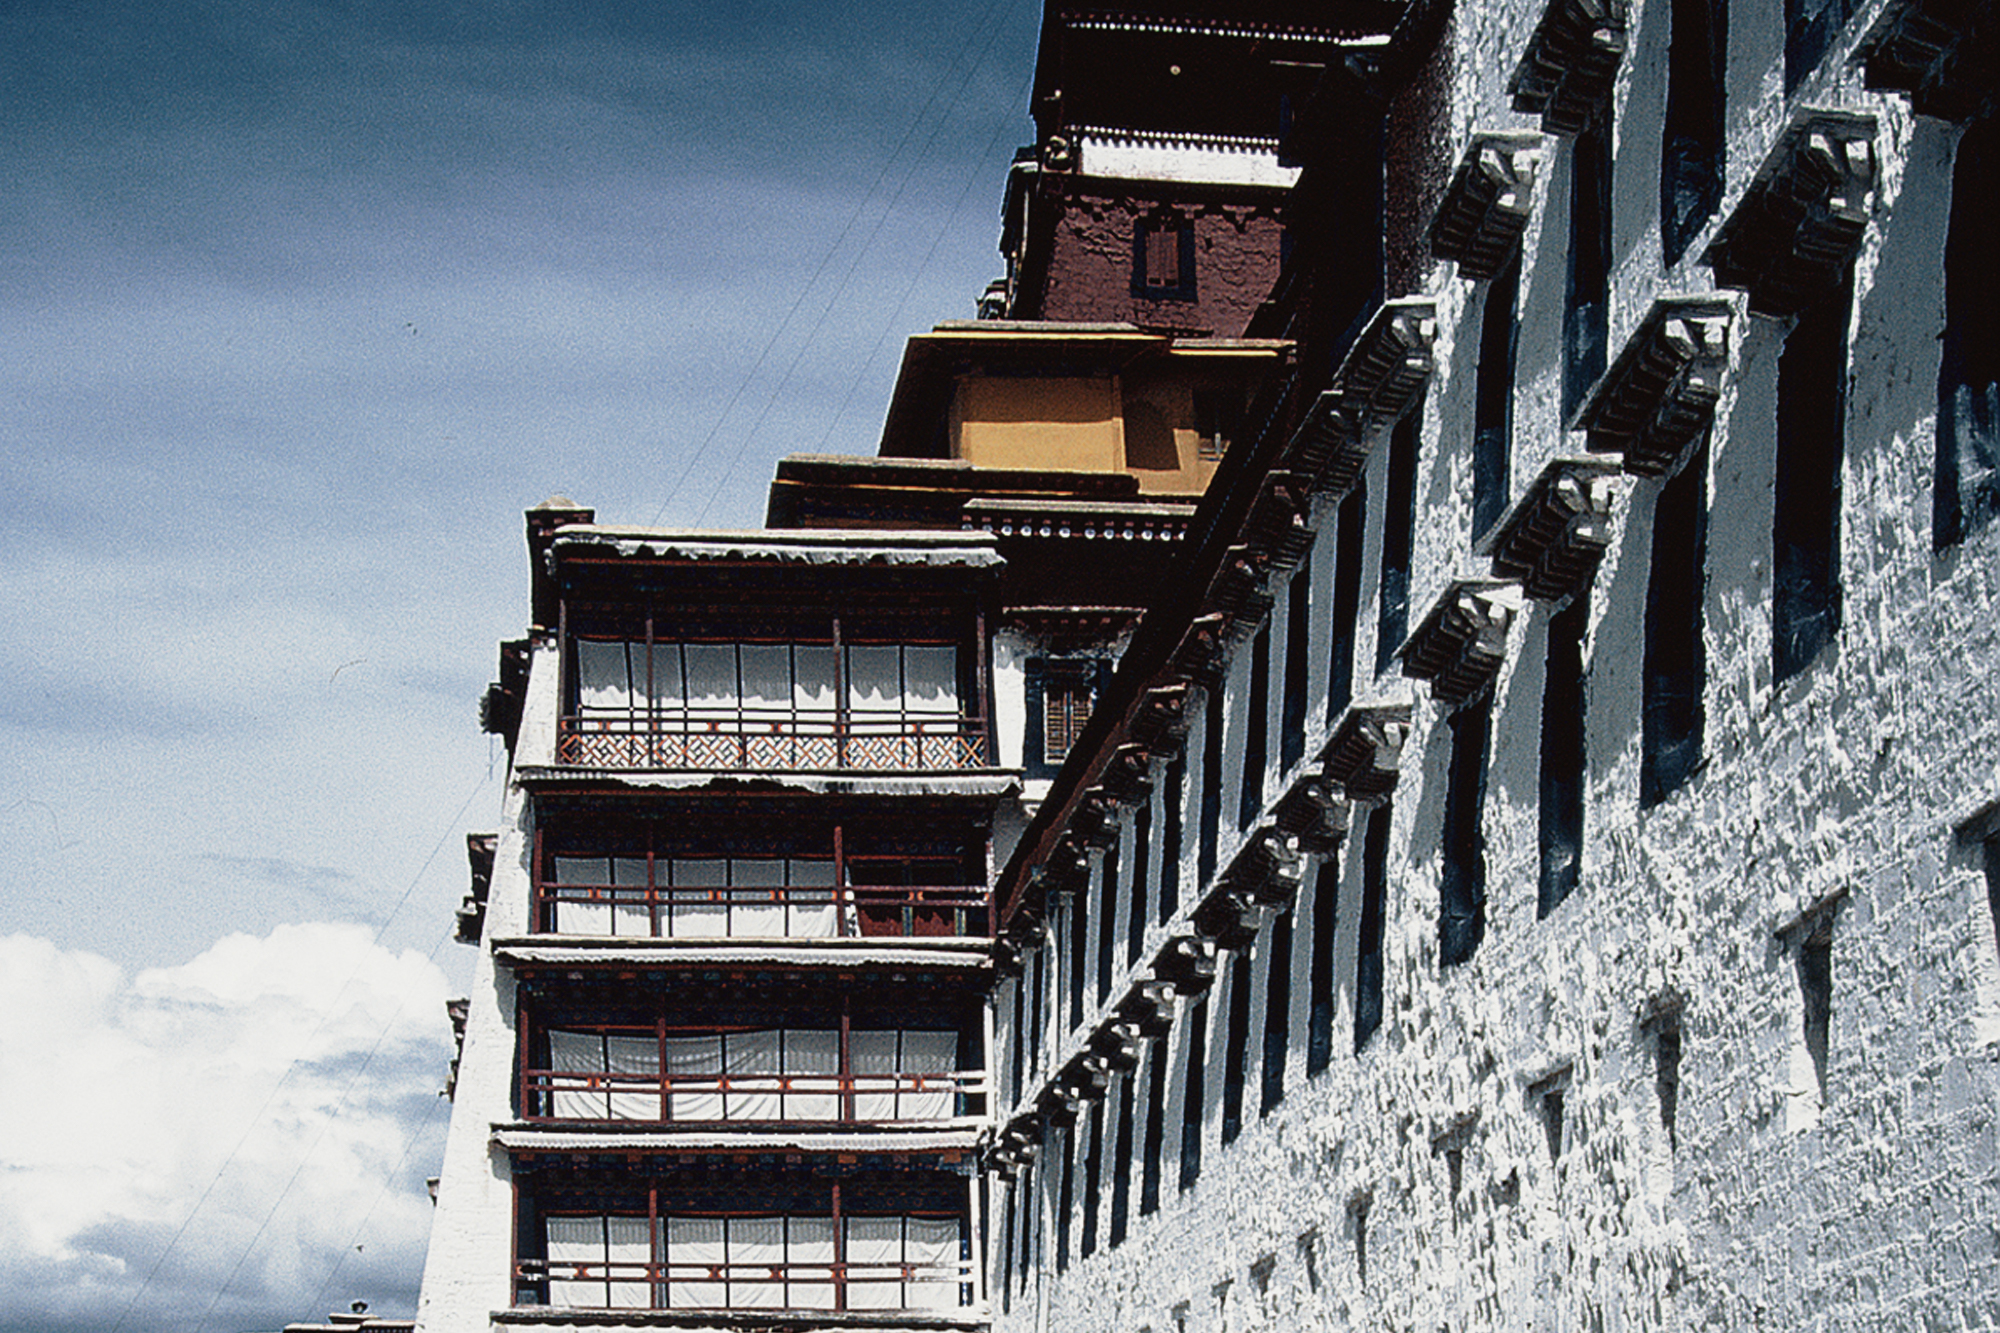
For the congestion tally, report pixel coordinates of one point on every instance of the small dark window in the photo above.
(1107, 916)
(1667, 1071)
(1493, 398)
(1093, 1164)
(1163, 258)
(1277, 1013)
(1063, 691)
(1218, 414)
(1121, 1162)
(1810, 27)
(1037, 1002)
(1025, 1192)
(1990, 860)
(1462, 906)
(1547, 1098)
(1007, 1251)
(1235, 1055)
(1368, 948)
(1256, 725)
(1675, 668)
(1805, 532)
(1399, 520)
(1156, 1128)
(1078, 926)
(1192, 1092)
(1968, 423)
(1587, 317)
(1326, 920)
(1691, 146)
(1020, 1032)
(1298, 638)
(1345, 613)
(1562, 772)
(1211, 788)
(1815, 964)
(1142, 865)
(1066, 1202)
(1173, 799)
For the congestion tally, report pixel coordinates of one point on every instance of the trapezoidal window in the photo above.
(1805, 532)
(1674, 672)
(1967, 492)
(1691, 144)
(1163, 258)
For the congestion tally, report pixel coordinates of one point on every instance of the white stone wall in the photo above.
(1870, 1207)
(467, 1271)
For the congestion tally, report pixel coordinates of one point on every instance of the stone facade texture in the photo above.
(1632, 1113)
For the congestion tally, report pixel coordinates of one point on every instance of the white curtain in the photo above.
(577, 1053)
(603, 676)
(930, 1247)
(629, 913)
(767, 684)
(874, 686)
(812, 687)
(574, 917)
(757, 908)
(712, 693)
(699, 914)
(874, 1059)
(930, 689)
(928, 1053)
(695, 1057)
(882, 1058)
(632, 1099)
(809, 1246)
(696, 1252)
(751, 1059)
(816, 1052)
(576, 1244)
(874, 1263)
(628, 1247)
(756, 1263)
(811, 914)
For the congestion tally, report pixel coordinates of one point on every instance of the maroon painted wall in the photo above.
(1089, 272)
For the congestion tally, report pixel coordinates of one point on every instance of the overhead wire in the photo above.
(949, 225)
(805, 290)
(861, 252)
(292, 1067)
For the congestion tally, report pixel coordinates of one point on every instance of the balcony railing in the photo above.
(570, 1096)
(749, 1262)
(749, 743)
(747, 912)
(827, 1285)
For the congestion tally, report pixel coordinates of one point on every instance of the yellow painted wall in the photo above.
(1143, 422)
(1073, 424)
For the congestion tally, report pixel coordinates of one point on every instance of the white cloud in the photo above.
(280, 1077)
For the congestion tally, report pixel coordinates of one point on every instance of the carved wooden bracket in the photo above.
(1551, 541)
(1485, 209)
(1658, 398)
(1565, 75)
(1803, 215)
(1462, 642)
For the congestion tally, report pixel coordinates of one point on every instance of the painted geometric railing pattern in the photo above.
(644, 743)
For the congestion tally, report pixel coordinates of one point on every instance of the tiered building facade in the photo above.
(1462, 791)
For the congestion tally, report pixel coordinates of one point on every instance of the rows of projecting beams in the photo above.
(1797, 224)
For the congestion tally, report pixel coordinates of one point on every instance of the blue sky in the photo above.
(303, 305)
